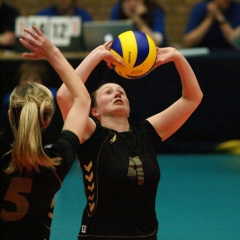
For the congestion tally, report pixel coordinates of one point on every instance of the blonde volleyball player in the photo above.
(31, 175)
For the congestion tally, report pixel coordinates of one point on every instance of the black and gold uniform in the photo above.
(27, 198)
(121, 176)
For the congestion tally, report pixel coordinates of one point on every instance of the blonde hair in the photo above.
(31, 105)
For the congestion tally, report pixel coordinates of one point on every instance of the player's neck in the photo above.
(117, 124)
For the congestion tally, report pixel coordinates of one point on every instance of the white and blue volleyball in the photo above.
(137, 50)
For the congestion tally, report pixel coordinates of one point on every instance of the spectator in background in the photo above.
(8, 15)
(235, 38)
(212, 23)
(66, 8)
(147, 15)
(33, 72)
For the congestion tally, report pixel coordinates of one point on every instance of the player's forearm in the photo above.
(190, 86)
(67, 74)
(83, 71)
(85, 68)
(88, 64)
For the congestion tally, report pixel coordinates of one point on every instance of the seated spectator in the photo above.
(147, 15)
(212, 23)
(8, 16)
(37, 72)
(66, 8)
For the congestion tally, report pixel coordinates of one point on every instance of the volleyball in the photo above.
(137, 50)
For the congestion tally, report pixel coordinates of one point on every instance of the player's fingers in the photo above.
(27, 44)
(34, 35)
(119, 61)
(37, 30)
(108, 42)
(31, 33)
(30, 56)
(109, 65)
(27, 38)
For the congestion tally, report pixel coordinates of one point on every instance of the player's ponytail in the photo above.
(31, 107)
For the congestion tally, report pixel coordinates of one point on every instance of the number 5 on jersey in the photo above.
(18, 205)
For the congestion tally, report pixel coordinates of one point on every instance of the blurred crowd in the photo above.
(211, 23)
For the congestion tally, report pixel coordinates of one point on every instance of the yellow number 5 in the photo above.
(13, 195)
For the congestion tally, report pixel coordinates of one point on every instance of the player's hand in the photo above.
(36, 42)
(166, 55)
(108, 56)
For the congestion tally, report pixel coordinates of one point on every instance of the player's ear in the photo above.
(46, 123)
(95, 112)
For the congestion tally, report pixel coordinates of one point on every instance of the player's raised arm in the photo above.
(41, 47)
(83, 71)
(171, 119)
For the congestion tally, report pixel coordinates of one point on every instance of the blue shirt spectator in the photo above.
(147, 15)
(211, 24)
(65, 9)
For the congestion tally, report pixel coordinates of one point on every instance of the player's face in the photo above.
(112, 101)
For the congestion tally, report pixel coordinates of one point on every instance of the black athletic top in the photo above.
(27, 199)
(121, 176)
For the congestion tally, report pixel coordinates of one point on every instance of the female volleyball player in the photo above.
(31, 175)
(118, 161)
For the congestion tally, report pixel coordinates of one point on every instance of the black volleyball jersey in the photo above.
(27, 199)
(121, 175)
